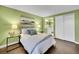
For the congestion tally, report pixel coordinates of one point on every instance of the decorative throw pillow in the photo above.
(32, 32)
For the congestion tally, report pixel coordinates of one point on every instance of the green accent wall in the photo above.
(10, 16)
(77, 26)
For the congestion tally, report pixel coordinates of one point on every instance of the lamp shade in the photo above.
(14, 26)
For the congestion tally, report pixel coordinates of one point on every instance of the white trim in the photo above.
(3, 46)
(70, 41)
(76, 42)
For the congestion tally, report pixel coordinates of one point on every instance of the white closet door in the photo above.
(59, 27)
(69, 27)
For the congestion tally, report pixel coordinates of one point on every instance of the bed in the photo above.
(37, 44)
(33, 42)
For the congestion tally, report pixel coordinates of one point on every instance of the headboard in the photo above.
(27, 24)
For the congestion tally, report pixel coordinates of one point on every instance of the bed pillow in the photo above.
(32, 32)
(24, 31)
(29, 31)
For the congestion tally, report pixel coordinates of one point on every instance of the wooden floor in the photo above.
(62, 47)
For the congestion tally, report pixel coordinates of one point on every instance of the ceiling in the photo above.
(44, 10)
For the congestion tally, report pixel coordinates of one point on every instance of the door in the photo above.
(59, 27)
(69, 27)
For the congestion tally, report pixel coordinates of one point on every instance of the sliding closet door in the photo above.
(69, 27)
(59, 27)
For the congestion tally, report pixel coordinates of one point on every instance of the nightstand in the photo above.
(7, 42)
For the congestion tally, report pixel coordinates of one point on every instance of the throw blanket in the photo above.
(40, 42)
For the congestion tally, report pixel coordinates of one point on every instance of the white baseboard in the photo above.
(76, 42)
(3, 46)
(70, 41)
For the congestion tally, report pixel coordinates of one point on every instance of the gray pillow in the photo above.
(32, 31)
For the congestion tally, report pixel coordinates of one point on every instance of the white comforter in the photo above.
(32, 45)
